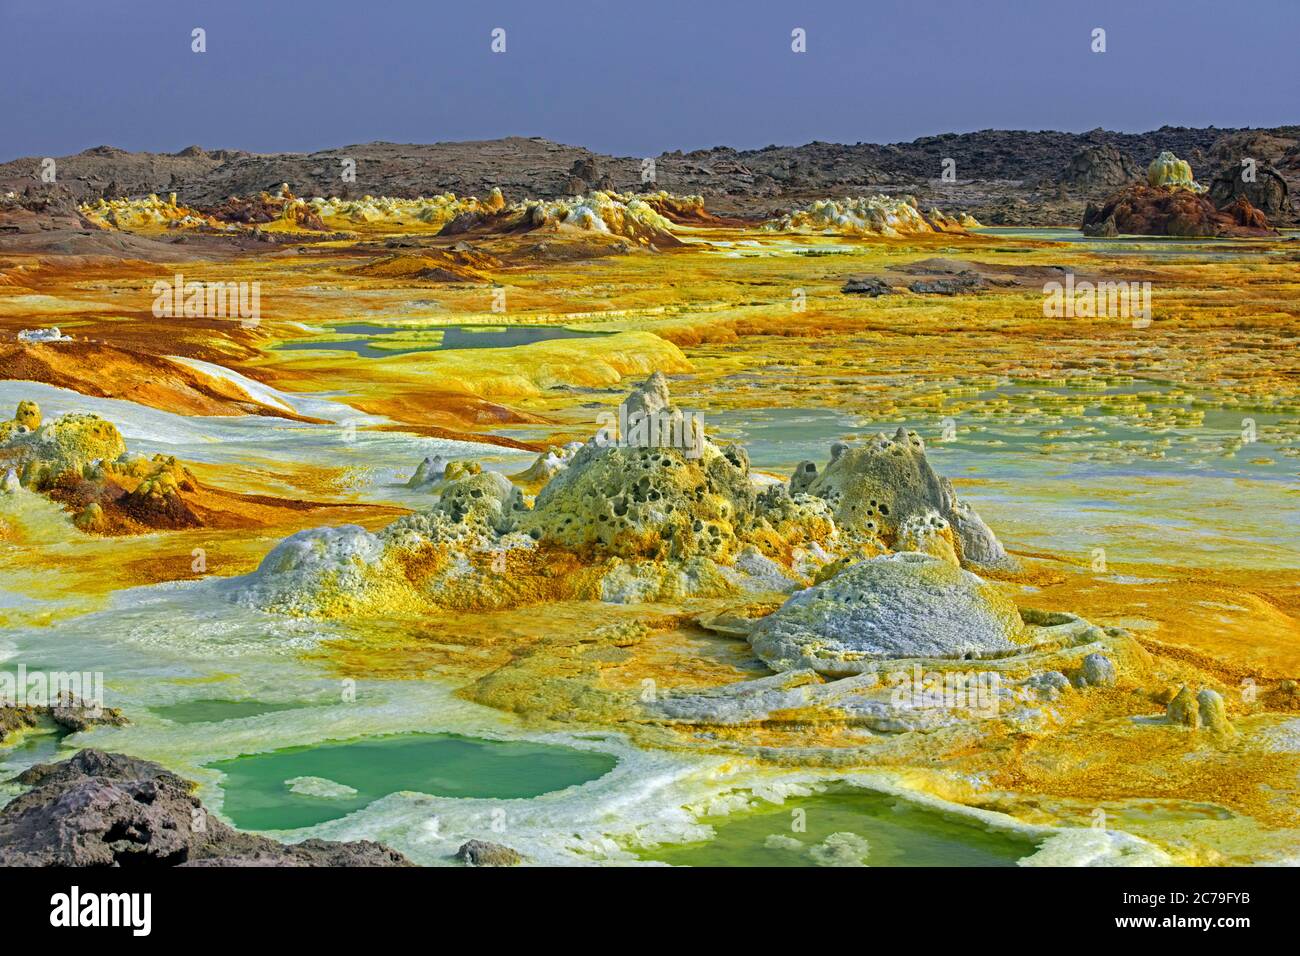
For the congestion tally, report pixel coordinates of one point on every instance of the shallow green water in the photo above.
(882, 830)
(30, 749)
(780, 438)
(258, 794)
(436, 338)
(215, 711)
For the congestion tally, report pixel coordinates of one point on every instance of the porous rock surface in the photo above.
(107, 809)
(893, 606)
(885, 489)
(622, 520)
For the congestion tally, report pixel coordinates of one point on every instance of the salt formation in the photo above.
(434, 210)
(877, 215)
(897, 605)
(81, 461)
(629, 216)
(1168, 170)
(42, 336)
(621, 519)
(906, 643)
(646, 219)
(884, 491)
(149, 212)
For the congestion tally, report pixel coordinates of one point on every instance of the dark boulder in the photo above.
(483, 853)
(107, 809)
(869, 286)
(959, 284)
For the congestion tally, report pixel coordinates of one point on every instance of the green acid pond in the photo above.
(382, 341)
(303, 786)
(846, 828)
(215, 711)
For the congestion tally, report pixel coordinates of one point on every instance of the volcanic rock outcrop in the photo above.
(1264, 188)
(1172, 203)
(483, 853)
(66, 711)
(107, 809)
(1095, 167)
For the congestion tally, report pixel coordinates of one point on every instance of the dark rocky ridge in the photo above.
(1014, 177)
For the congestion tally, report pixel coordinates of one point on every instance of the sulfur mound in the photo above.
(547, 465)
(884, 492)
(299, 573)
(892, 606)
(685, 210)
(628, 216)
(652, 499)
(70, 444)
(150, 213)
(439, 265)
(648, 509)
(81, 462)
(1168, 170)
(282, 211)
(434, 211)
(877, 215)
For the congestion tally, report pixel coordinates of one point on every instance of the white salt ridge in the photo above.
(253, 389)
(382, 459)
(39, 336)
(320, 787)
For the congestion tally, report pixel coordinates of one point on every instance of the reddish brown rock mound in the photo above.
(1144, 210)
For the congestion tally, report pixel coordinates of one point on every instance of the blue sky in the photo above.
(626, 77)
